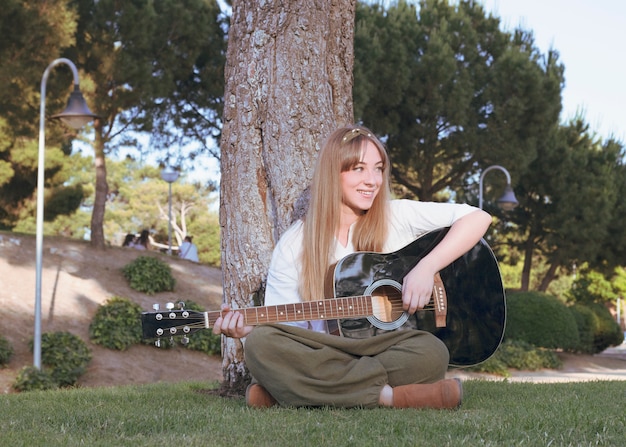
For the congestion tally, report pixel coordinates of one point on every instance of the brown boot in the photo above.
(258, 397)
(446, 393)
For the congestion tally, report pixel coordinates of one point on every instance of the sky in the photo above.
(589, 36)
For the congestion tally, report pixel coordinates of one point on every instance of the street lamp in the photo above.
(75, 115)
(169, 175)
(508, 201)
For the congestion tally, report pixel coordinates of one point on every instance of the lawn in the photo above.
(493, 414)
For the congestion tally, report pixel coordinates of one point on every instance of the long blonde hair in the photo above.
(341, 152)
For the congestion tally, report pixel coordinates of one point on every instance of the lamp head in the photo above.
(169, 174)
(77, 113)
(508, 201)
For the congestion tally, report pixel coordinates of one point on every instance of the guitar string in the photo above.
(200, 321)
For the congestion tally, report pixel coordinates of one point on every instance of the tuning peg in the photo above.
(185, 340)
(181, 305)
(156, 306)
(169, 306)
(157, 342)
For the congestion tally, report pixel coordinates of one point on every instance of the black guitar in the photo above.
(467, 311)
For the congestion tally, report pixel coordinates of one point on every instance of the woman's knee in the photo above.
(260, 343)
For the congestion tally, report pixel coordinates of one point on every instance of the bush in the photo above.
(116, 324)
(493, 365)
(524, 356)
(205, 340)
(607, 332)
(6, 351)
(540, 320)
(149, 275)
(31, 378)
(586, 322)
(518, 355)
(65, 355)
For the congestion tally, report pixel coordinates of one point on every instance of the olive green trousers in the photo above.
(299, 367)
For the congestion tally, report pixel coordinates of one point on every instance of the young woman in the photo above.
(350, 210)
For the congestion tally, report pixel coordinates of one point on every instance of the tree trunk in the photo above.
(549, 276)
(102, 189)
(528, 261)
(288, 85)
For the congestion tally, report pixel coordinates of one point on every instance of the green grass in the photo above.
(493, 414)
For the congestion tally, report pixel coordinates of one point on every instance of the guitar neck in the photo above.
(328, 309)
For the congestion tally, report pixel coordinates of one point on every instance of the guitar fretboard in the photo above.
(337, 308)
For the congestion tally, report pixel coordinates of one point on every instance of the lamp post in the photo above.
(508, 201)
(75, 115)
(169, 175)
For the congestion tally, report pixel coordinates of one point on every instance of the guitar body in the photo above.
(476, 309)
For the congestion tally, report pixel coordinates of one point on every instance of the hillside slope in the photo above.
(76, 279)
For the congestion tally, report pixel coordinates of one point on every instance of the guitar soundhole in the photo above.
(390, 293)
(393, 297)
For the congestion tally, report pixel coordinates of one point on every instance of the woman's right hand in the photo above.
(231, 324)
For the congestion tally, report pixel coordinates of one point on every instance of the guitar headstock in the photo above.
(172, 322)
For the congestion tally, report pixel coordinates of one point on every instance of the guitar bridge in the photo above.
(440, 300)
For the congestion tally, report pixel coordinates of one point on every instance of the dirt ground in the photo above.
(76, 279)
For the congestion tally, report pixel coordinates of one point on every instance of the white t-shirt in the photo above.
(409, 219)
(188, 251)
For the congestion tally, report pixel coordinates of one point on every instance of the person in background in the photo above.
(350, 209)
(143, 242)
(129, 240)
(188, 250)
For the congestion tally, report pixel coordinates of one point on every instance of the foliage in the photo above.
(116, 324)
(587, 323)
(554, 220)
(494, 413)
(34, 34)
(592, 286)
(524, 356)
(153, 69)
(518, 355)
(149, 275)
(541, 320)
(31, 378)
(139, 199)
(6, 351)
(606, 330)
(204, 341)
(493, 365)
(512, 265)
(64, 356)
(460, 93)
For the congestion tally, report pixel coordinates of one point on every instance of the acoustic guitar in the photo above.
(467, 310)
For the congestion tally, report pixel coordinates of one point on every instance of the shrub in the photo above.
(518, 355)
(524, 356)
(65, 355)
(493, 365)
(6, 351)
(31, 378)
(116, 324)
(149, 275)
(205, 340)
(540, 320)
(586, 321)
(607, 332)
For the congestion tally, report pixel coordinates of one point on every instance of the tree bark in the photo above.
(102, 189)
(549, 276)
(288, 85)
(529, 248)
